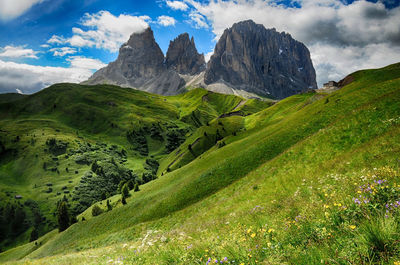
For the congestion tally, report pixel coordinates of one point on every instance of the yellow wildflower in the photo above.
(253, 235)
(270, 230)
(248, 231)
(352, 227)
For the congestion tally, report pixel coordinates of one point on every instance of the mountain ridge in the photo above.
(248, 60)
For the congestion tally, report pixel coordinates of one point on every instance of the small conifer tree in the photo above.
(125, 190)
(62, 216)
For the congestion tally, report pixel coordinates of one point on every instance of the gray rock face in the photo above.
(252, 58)
(182, 56)
(140, 64)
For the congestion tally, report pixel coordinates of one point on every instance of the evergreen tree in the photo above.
(62, 216)
(109, 207)
(125, 191)
(131, 184)
(123, 200)
(120, 185)
(34, 234)
(136, 187)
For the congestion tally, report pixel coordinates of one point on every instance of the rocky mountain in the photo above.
(248, 60)
(141, 64)
(263, 61)
(182, 56)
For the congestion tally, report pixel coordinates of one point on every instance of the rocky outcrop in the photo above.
(140, 64)
(182, 56)
(251, 58)
(248, 60)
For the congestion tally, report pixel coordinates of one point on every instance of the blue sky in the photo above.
(48, 41)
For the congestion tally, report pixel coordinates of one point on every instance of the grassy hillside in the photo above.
(50, 141)
(311, 179)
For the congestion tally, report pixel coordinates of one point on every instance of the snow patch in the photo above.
(299, 69)
(280, 51)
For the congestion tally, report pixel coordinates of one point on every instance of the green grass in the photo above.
(271, 195)
(82, 115)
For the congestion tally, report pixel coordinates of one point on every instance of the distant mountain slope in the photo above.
(282, 190)
(8, 97)
(52, 141)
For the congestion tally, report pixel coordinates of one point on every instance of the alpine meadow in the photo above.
(169, 154)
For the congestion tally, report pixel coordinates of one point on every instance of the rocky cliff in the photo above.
(263, 61)
(248, 60)
(140, 64)
(182, 56)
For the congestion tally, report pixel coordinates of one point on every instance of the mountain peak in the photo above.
(183, 57)
(263, 61)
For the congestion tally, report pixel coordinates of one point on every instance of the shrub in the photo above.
(136, 187)
(96, 210)
(123, 200)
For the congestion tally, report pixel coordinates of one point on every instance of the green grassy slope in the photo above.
(93, 122)
(282, 190)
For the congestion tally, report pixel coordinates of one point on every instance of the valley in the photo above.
(312, 178)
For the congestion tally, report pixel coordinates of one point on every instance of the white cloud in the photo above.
(62, 51)
(335, 62)
(207, 56)
(177, 5)
(31, 78)
(166, 21)
(335, 33)
(85, 63)
(45, 46)
(197, 20)
(18, 52)
(10, 9)
(105, 31)
(56, 40)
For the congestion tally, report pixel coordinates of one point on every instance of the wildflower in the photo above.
(352, 227)
(253, 235)
(270, 230)
(248, 231)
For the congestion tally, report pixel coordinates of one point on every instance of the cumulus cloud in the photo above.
(56, 40)
(81, 62)
(28, 79)
(207, 56)
(62, 51)
(103, 30)
(177, 5)
(197, 20)
(166, 21)
(10, 9)
(336, 33)
(18, 52)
